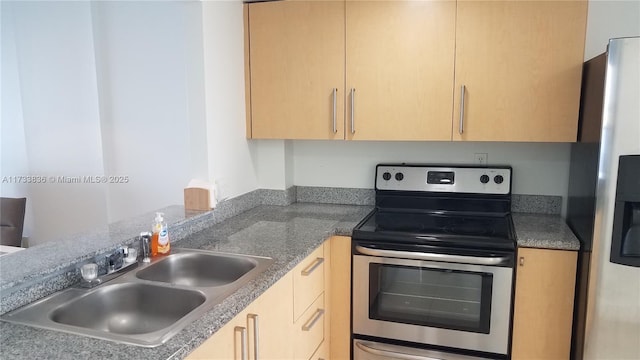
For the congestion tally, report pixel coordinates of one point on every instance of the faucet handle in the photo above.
(116, 260)
(145, 245)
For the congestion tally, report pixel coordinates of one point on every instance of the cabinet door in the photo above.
(270, 318)
(521, 65)
(296, 60)
(323, 353)
(339, 286)
(400, 57)
(543, 309)
(227, 343)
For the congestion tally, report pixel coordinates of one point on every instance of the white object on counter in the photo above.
(131, 256)
(5, 249)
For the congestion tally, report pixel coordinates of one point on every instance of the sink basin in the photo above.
(128, 308)
(147, 305)
(198, 269)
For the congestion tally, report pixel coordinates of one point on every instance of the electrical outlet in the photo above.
(480, 158)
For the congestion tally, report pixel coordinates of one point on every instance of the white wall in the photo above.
(106, 88)
(13, 147)
(610, 19)
(144, 88)
(195, 90)
(274, 164)
(231, 155)
(57, 94)
(537, 168)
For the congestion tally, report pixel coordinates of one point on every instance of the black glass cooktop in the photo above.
(481, 231)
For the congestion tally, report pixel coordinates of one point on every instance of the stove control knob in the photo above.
(399, 176)
(498, 179)
(484, 179)
(386, 176)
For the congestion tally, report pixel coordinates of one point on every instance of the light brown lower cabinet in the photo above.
(309, 330)
(261, 331)
(340, 298)
(323, 353)
(305, 315)
(543, 307)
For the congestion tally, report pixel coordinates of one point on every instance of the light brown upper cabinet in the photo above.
(296, 69)
(520, 64)
(396, 70)
(400, 57)
(399, 60)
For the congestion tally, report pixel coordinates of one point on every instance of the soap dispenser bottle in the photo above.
(160, 240)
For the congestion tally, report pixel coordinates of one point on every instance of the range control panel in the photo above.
(475, 180)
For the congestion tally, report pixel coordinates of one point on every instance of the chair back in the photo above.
(12, 220)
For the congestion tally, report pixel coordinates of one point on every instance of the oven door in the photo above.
(461, 302)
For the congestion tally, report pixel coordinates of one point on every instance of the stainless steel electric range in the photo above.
(433, 264)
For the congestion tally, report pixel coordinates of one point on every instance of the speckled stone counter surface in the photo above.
(285, 233)
(263, 222)
(28, 275)
(544, 231)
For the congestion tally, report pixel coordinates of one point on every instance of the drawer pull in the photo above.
(316, 316)
(314, 265)
(244, 348)
(462, 92)
(335, 110)
(256, 335)
(353, 110)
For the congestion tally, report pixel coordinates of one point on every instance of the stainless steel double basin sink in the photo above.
(149, 304)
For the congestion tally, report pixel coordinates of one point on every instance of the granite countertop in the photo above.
(544, 231)
(285, 233)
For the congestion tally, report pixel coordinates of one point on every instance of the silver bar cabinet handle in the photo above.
(309, 325)
(256, 333)
(335, 110)
(433, 257)
(309, 269)
(463, 90)
(353, 110)
(243, 338)
(391, 354)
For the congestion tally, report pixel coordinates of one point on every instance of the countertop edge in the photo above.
(197, 341)
(543, 231)
(532, 231)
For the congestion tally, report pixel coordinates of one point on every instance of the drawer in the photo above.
(322, 353)
(309, 330)
(308, 281)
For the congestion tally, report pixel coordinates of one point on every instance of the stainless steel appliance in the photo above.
(604, 206)
(433, 264)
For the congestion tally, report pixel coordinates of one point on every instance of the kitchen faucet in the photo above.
(117, 263)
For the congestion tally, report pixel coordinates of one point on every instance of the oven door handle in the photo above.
(474, 260)
(392, 354)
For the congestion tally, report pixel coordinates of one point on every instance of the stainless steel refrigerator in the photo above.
(604, 206)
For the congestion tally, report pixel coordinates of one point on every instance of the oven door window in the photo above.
(448, 299)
